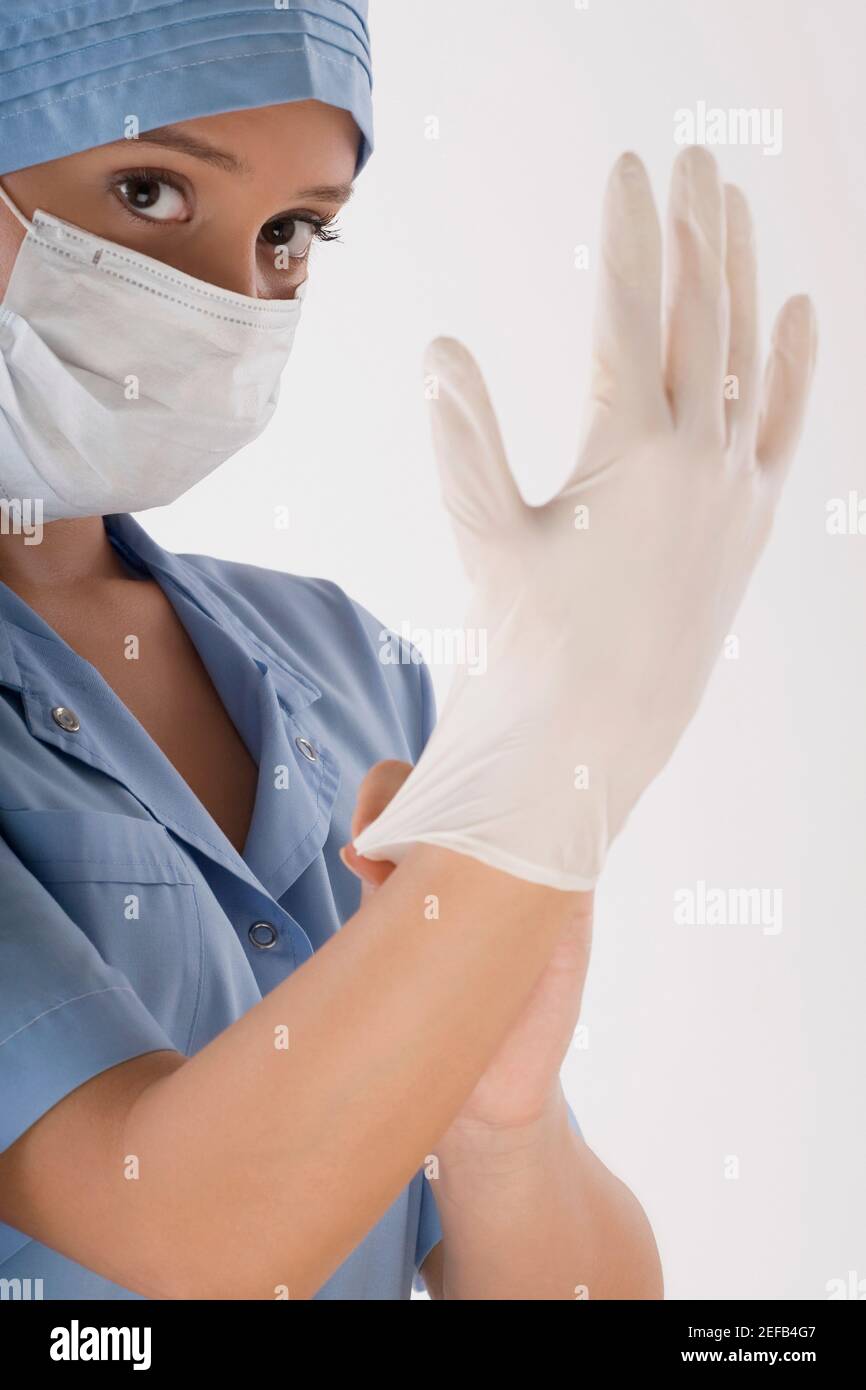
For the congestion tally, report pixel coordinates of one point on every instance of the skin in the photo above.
(271, 1169)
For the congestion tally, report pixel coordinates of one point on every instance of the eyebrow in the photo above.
(171, 138)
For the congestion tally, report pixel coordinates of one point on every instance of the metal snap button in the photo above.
(307, 749)
(263, 935)
(66, 718)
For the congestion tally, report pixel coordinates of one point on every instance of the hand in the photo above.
(607, 607)
(522, 1080)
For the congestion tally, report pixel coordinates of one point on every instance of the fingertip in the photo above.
(354, 862)
(697, 211)
(445, 350)
(795, 323)
(802, 305)
(628, 187)
(695, 161)
(788, 382)
(629, 165)
(452, 364)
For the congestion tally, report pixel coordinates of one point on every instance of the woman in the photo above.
(224, 1072)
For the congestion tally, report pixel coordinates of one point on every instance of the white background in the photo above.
(704, 1042)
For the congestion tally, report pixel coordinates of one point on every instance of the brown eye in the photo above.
(290, 232)
(152, 197)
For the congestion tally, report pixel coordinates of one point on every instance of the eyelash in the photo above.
(325, 229)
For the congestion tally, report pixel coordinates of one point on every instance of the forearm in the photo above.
(535, 1215)
(274, 1163)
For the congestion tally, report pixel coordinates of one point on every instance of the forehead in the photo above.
(293, 135)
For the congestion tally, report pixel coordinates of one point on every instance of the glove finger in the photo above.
(786, 383)
(743, 388)
(696, 324)
(477, 485)
(627, 342)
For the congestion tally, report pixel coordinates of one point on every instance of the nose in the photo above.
(228, 261)
(234, 259)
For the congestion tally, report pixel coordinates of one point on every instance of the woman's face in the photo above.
(234, 199)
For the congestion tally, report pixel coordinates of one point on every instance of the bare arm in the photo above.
(260, 1166)
(534, 1214)
(526, 1208)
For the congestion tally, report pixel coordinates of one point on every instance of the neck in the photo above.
(71, 552)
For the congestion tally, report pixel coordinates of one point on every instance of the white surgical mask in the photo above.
(124, 382)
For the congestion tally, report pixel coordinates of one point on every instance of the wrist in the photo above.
(441, 864)
(472, 1149)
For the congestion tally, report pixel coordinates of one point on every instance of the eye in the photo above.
(292, 233)
(152, 196)
(295, 235)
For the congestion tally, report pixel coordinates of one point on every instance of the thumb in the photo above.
(378, 788)
(477, 485)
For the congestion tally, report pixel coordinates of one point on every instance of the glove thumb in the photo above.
(477, 485)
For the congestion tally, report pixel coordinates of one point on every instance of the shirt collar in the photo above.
(287, 832)
(294, 689)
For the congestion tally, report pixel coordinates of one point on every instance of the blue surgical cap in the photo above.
(73, 76)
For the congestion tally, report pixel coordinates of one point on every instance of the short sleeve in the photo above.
(429, 1231)
(572, 1120)
(65, 1015)
(428, 705)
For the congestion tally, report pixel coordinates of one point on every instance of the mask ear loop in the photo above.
(16, 212)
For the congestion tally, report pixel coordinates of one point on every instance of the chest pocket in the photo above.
(123, 881)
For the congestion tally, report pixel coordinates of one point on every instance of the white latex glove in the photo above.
(601, 640)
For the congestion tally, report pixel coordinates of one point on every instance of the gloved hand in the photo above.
(606, 608)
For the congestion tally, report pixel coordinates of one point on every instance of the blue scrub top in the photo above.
(128, 922)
